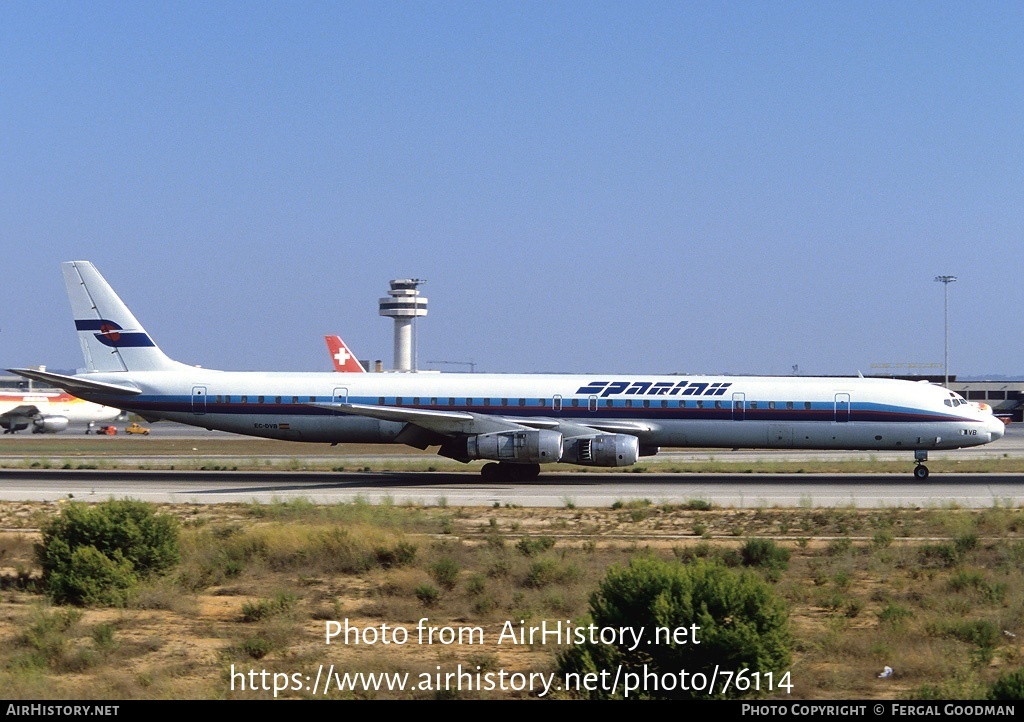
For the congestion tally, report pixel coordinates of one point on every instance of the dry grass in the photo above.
(931, 593)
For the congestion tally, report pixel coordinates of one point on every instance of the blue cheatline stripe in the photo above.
(820, 412)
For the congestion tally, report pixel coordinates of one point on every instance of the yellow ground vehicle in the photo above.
(134, 428)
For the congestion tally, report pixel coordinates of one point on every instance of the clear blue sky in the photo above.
(586, 186)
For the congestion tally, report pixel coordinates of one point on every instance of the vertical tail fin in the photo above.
(111, 337)
(343, 359)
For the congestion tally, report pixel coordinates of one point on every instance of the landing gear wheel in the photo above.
(518, 472)
(921, 472)
(509, 472)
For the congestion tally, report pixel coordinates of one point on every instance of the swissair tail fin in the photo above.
(343, 359)
(111, 337)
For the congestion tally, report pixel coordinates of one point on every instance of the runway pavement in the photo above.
(1011, 445)
(554, 490)
(551, 489)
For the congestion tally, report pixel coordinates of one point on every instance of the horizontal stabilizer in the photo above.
(76, 384)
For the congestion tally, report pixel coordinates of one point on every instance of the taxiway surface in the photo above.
(551, 489)
(723, 490)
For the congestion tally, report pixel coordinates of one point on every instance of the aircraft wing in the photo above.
(25, 411)
(622, 427)
(447, 423)
(467, 423)
(76, 384)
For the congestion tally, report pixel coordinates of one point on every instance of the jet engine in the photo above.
(534, 446)
(602, 450)
(49, 424)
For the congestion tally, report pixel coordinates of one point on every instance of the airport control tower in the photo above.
(404, 303)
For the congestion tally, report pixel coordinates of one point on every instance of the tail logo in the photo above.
(112, 334)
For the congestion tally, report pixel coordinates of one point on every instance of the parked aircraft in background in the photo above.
(342, 358)
(519, 421)
(49, 412)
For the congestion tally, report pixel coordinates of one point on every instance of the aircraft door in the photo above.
(340, 395)
(842, 408)
(739, 406)
(198, 400)
(556, 402)
(780, 435)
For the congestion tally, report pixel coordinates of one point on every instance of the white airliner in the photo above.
(49, 412)
(519, 421)
(344, 361)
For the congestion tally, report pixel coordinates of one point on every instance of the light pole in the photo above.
(945, 281)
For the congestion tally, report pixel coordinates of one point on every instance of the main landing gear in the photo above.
(921, 471)
(509, 472)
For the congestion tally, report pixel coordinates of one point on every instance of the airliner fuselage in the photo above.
(518, 420)
(49, 412)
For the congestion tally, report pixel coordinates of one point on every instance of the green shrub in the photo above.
(981, 632)
(882, 539)
(532, 546)
(445, 572)
(939, 555)
(499, 569)
(91, 578)
(264, 608)
(428, 594)
(741, 625)
(968, 581)
(257, 647)
(764, 553)
(1009, 685)
(103, 637)
(541, 573)
(894, 613)
(839, 547)
(965, 543)
(95, 554)
(698, 505)
(476, 585)
(639, 514)
(703, 550)
(401, 554)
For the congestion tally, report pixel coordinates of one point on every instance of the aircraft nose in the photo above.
(995, 428)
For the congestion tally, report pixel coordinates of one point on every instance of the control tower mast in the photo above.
(404, 304)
